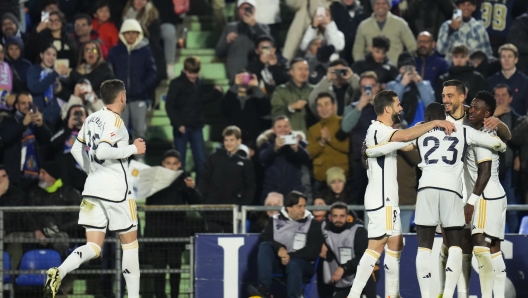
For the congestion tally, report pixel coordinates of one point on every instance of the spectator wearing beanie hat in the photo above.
(11, 27)
(414, 93)
(383, 23)
(337, 187)
(14, 53)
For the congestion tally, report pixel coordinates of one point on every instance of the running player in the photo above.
(489, 219)
(107, 200)
(440, 192)
(381, 198)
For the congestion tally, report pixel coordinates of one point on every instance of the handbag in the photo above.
(181, 6)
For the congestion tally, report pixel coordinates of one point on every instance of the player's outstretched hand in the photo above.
(449, 127)
(140, 145)
(468, 212)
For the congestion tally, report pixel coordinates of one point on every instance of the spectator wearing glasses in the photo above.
(84, 33)
(11, 28)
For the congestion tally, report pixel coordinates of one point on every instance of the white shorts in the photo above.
(439, 207)
(489, 218)
(384, 222)
(98, 215)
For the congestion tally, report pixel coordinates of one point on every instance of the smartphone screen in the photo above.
(44, 16)
(321, 11)
(457, 14)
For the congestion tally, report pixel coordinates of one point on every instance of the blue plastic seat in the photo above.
(7, 266)
(41, 259)
(523, 229)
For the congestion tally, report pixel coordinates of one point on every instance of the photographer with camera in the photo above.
(62, 142)
(244, 105)
(340, 81)
(83, 94)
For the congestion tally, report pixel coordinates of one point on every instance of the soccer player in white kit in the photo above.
(486, 213)
(107, 198)
(381, 197)
(440, 192)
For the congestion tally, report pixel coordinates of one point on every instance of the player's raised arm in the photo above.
(406, 135)
(386, 148)
(475, 137)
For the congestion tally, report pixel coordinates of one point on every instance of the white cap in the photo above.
(251, 2)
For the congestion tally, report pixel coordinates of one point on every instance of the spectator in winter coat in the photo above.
(83, 95)
(103, 24)
(14, 51)
(466, 31)
(10, 81)
(282, 162)
(132, 62)
(238, 39)
(148, 16)
(518, 36)
(11, 28)
(511, 76)
(347, 15)
(323, 26)
(338, 190)
(185, 101)
(483, 64)
(269, 66)
(91, 67)
(463, 71)
(376, 60)
(414, 91)
(384, 23)
(244, 105)
(84, 33)
(170, 224)
(428, 63)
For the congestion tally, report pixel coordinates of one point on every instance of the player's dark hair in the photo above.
(171, 153)
(293, 198)
(325, 95)
(460, 86)
(381, 42)
(279, 118)
(337, 62)
(382, 100)
(488, 99)
(434, 111)
(339, 205)
(502, 85)
(84, 16)
(110, 89)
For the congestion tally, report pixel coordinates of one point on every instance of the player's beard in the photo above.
(395, 117)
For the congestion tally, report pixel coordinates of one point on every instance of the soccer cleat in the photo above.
(52, 285)
(258, 292)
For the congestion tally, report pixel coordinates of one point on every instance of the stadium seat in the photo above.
(7, 266)
(523, 229)
(41, 259)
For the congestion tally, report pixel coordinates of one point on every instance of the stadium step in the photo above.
(201, 39)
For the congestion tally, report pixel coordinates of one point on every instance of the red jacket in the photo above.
(107, 32)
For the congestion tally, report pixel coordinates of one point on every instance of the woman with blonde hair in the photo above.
(91, 67)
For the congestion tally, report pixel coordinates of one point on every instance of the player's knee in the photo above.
(96, 248)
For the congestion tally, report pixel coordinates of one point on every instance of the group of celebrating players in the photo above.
(459, 193)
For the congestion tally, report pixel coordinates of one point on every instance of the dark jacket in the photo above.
(347, 25)
(96, 77)
(227, 179)
(68, 49)
(314, 238)
(518, 36)
(518, 83)
(346, 196)
(279, 72)
(385, 71)
(170, 224)
(282, 168)
(360, 245)
(185, 101)
(20, 65)
(136, 69)
(49, 108)
(166, 11)
(246, 111)
(11, 132)
(431, 67)
(14, 221)
(473, 80)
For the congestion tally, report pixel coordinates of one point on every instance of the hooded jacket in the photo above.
(473, 80)
(282, 168)
(20, 65)
(23, 36)
(314, 237)
(385, 71)
(133, 64)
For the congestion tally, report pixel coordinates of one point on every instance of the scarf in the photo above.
(6, 77)
(48, 94)
(29, 162)
(55, 186)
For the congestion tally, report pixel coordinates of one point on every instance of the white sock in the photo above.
(453, 269)
(131, 268)
(363, 272)
(442, 261)
(423, 271)
(499, 269)
(485, 270)
(465, 276)
(80, 255)
(392, 273)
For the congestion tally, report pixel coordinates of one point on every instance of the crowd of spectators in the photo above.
(297, 109)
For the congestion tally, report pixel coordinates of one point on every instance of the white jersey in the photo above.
(442, 156)
(382, 188)
(105, 135)
(477, 155)
(461, 120)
